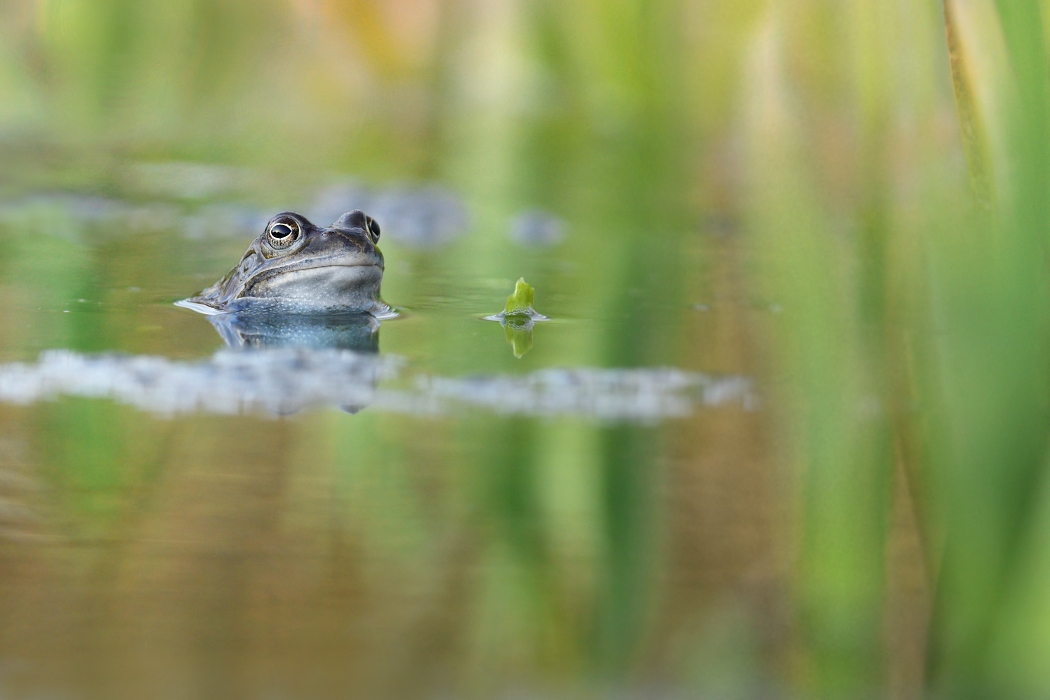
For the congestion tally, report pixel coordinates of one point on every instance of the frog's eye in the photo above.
(372, 226)
(283, 232)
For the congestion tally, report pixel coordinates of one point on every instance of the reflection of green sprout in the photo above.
(518, 317)
(519, 336)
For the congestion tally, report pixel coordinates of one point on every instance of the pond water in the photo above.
(431, 505)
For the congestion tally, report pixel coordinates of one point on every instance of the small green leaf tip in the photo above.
(520, 302)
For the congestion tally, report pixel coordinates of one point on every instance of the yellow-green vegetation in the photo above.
(519, 337)
(520, 302)
(877, 172)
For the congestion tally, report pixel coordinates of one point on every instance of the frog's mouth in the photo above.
(315, 263)
(328, 282)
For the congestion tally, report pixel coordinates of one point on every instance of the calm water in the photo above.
(424, 514)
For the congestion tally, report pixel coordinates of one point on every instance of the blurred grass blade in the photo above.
(995, 352)
(834, 424)
(974, 130)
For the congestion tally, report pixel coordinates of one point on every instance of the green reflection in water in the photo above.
(519, 336)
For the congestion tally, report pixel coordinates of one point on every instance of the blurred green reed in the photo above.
(893, 197)
(1000, 399)
(915, 337)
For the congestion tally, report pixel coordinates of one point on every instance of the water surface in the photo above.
(404, 508)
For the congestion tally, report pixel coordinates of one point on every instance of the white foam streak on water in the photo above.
(283, 381)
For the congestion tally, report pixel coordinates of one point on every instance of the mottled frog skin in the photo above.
(297, 267)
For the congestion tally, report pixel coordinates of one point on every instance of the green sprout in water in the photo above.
(518, 317)
(520, 302)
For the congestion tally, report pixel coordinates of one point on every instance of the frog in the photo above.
(295, 267)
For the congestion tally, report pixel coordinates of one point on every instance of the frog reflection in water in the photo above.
(245, 330)
(295, 267)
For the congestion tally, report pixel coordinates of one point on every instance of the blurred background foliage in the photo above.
(856, 191)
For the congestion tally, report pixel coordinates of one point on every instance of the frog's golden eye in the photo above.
(283, 231)
(372, 226)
